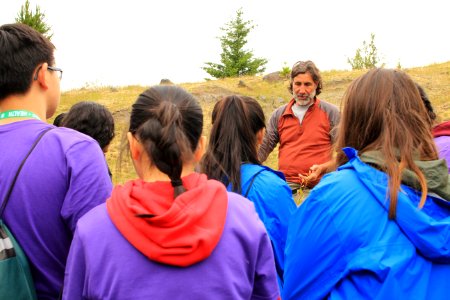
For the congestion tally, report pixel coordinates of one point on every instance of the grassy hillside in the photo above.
(434, 78)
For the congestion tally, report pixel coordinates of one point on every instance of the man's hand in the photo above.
(315, 171)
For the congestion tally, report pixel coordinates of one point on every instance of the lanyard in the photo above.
(18, 114)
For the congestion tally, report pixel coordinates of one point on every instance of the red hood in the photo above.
(184, 231)
(442, 129)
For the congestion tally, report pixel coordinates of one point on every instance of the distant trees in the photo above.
(35, 19)
(366, 57)
(235, 61)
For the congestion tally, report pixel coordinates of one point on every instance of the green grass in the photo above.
(434, 78)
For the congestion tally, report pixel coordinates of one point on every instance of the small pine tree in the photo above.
(35, 20)
(235, 61)
(285, 70)
(367, 57)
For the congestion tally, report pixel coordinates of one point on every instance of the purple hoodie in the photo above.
(103, 264)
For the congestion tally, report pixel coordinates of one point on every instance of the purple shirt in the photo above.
(443, 145)
(63, 178)
(102, 264)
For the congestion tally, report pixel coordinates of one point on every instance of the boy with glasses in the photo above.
(65, 175)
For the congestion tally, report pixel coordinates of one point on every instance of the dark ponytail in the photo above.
(168, 122)
(236, 121)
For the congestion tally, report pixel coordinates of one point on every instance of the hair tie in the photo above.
(176, 182)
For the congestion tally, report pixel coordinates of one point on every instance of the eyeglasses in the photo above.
(55, 69)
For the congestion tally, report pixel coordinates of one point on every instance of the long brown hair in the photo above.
(236, 121)
(383, 111)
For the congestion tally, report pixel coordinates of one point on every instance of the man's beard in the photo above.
(305, 102)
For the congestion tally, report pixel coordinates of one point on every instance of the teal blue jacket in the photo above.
(274, 204)
(341, 244)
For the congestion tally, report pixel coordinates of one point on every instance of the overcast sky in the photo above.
(130, 42)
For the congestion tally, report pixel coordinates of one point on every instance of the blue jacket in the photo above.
(341, 244)
(273, 202)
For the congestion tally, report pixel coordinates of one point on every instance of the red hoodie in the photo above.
(442, 129)
(184, 231)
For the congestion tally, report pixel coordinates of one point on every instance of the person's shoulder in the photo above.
(72, 141)
(96, 227)
(70, 136)
(93, 218)
(327, 106)
(249, 169)
(275, 175)
(444, 139)
(280, 110)
(270, 179)
(238, 203)
(261, 173)
(53, 135)
(242, 216)
(271, 187)
(240, 207)
(341, 199)
(342, 184)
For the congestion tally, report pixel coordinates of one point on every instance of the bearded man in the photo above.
(305, 129)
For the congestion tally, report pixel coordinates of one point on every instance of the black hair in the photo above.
(168, 121)
(426, 101)
(22, 50)
(92, 119)
(235, 122)
(58, 119)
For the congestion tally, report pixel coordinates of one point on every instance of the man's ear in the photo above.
(198, 154)
(135, 146)
(41, 76)
(317, 84)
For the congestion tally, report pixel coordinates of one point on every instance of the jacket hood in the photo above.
(442, 129)
(427, 228)
(435, 172)
(179, 232)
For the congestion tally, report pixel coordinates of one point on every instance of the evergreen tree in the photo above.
(35, 20)
(285, 71)
(235, 61)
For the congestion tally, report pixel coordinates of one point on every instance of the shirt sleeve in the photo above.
(271, 138)
(335, 117)
(89, 183)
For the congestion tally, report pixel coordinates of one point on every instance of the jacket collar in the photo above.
(288, 110)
